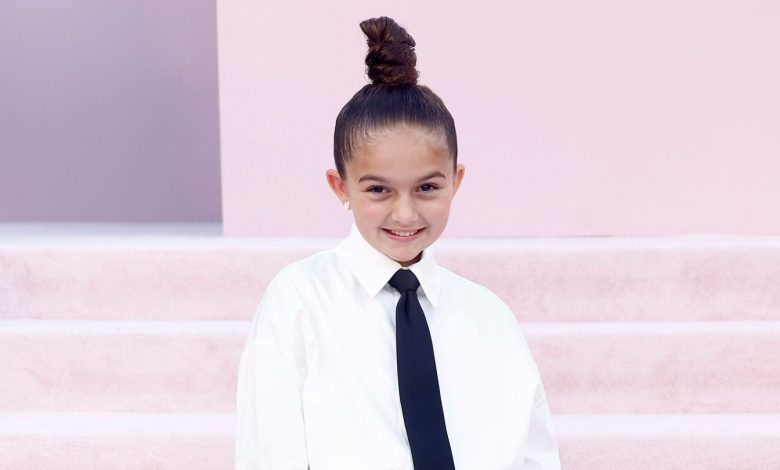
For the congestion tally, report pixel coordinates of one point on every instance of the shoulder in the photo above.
(471, 291)
(301, 274)
(283, 300)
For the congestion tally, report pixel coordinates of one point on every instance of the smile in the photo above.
(403, 235)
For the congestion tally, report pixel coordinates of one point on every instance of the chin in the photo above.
(407, 256)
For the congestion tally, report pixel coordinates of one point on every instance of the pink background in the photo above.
(597, 118)
(574, 118)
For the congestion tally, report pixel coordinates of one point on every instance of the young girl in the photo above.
(371, 355)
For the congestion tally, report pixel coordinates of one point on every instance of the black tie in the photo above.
(418, 383)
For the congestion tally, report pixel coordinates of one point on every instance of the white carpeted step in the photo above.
(630, 367)
(190, 272)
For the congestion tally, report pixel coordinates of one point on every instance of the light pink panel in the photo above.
(574, 118)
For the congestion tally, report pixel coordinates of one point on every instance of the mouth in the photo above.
(404, 235)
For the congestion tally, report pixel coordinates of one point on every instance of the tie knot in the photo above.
(404, 280)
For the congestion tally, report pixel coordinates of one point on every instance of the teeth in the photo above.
(403, 234)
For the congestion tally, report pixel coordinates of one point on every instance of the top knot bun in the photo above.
(391, 58)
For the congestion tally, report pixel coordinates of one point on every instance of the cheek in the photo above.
(438, 206)
(369, 210)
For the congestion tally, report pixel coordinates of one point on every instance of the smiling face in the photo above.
(400, 184)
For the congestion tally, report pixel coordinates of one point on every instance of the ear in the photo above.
(460, 170)
(338, 185)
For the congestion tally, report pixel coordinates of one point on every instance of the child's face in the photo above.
(401, 180)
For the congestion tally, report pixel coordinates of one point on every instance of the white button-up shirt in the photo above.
(318, 384)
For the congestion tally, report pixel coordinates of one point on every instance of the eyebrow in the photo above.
(434, 174)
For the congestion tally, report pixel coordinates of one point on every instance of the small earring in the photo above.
(346, 205)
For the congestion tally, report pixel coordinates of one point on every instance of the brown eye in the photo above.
(428, 187)
(376, 189)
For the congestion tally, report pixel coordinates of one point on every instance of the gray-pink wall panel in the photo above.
(109, 111)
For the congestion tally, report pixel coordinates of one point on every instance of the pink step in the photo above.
(119, 345)
(653, 442)
(116, 441)
(169, 272)
(75, 365)
(66, 441)
(631, 367)
(676, 367)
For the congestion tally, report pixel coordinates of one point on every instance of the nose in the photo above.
(404, 212)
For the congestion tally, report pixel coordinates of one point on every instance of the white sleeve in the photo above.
(269, 417)
(542, 446)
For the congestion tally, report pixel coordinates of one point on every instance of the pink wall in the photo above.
(108, 111)
(574, 118)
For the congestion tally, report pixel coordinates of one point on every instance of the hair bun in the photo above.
(391, 58)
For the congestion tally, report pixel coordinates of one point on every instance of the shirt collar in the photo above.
(373, 269)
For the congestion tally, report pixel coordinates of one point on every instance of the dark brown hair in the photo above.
(393, 98)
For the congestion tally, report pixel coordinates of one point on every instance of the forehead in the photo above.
(400, 154)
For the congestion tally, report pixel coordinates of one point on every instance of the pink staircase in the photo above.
(119, 345)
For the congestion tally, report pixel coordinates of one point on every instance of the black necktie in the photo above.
(418, 383)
